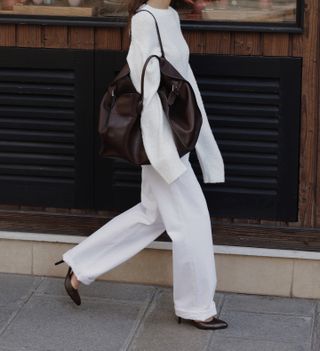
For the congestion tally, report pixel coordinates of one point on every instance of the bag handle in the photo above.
(158, 32)
(140, 103)
(175, 86)
(144, 71)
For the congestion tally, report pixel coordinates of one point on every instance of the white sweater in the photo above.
(156, 132)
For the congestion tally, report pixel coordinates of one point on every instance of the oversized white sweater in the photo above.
(156, 132)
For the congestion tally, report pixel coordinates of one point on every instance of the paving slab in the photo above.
(16, 287)
(267, 327)
(160, 330)
(100, 289)
(219, 343)
(54, 323)
(269, 304)
(14, 290)
(36, 314)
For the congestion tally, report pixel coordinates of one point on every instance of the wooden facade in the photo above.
(303, 234)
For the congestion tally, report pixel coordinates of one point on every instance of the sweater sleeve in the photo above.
(207, 150)
(208, 153)
(157, 136)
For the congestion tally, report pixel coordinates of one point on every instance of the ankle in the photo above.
(74, 281)
(206, 320)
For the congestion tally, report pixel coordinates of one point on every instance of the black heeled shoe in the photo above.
(72, 292)
(214, 323)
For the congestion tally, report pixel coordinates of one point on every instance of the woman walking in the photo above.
(171, 196)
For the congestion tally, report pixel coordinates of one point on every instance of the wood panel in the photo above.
(81, 38)
(8, 35)
(247, 43)
(217, 42)
(55, 37)
(197, 41)
(317, 75)
(267, 235)
(275, 44)
(296, 47)
(309, 116)
(29, 36)
(108, 39)
(52, 221)
(264, 235)
(226, 232)
(125, 39)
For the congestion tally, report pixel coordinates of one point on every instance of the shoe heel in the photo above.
(58, 262)
(179, 320)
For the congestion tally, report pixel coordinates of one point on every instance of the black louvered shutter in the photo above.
(253, 106)
(46, 127)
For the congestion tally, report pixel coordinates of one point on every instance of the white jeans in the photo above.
(181, 210)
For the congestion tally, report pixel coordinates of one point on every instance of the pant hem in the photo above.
(83, 279)
(196, 315)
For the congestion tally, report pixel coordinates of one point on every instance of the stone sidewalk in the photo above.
(36, 314)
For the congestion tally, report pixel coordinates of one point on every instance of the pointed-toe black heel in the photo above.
(72, 292)
(214, 323)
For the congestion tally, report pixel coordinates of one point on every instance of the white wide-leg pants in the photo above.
(181, 210)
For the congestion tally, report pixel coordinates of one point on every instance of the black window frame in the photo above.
(115, 21)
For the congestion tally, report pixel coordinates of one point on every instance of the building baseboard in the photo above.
(239, 269)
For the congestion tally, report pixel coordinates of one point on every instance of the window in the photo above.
(275, 11)
(196, 14)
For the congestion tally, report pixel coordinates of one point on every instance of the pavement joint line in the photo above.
(95, 299)
(315, 337)
(212, 335)
(42, 281)
(139, 321)
(152, 303)
(224, 297)
(32, 258)
(22, 302)
(31, 348)
(271, 313)
(292, 278)
(98, 298)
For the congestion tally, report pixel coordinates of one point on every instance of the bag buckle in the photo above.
(173, 93)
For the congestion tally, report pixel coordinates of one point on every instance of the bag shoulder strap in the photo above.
(158, 32)
(143, 73)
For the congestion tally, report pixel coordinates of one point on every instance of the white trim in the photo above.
(162, 245)
(249, 251)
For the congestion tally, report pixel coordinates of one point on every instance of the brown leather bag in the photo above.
(121, 107)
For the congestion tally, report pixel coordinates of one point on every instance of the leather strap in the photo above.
(144, 70)
(158, 32)
(175, 87)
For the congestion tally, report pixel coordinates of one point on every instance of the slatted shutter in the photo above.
(253, 105)
(46, 121)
